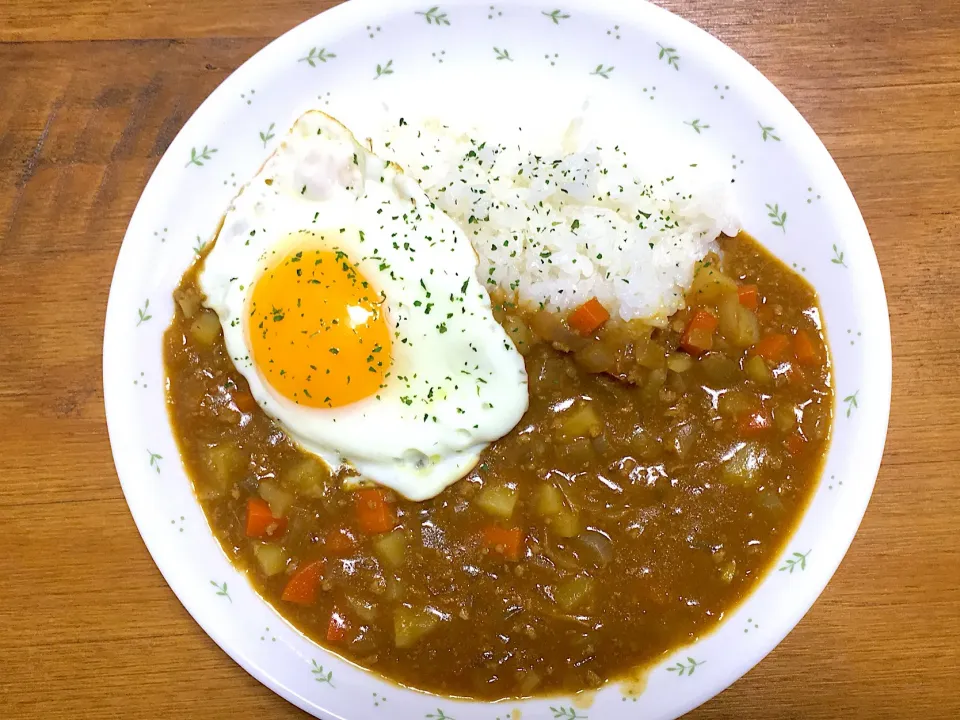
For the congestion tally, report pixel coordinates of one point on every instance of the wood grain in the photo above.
(91, 93)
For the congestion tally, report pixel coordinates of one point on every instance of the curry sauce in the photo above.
(652, 482)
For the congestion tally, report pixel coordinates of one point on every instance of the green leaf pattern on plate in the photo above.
(316, 55)
(566, 713)
(695, 124)
(797, 561)
(386, 69)
(837, 258)
(155, 459)
(670, 55)
(322, 676)
(143, 314)
(767, 132)
(439, 715)
(602, 71)
(434, 16)
(851, 401)
(268, 134)
(778, 218)
(556, 16)
(502, 54)
(222, 590)
(686, 670)
(199, 157)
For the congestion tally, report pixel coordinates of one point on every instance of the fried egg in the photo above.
(351, 306)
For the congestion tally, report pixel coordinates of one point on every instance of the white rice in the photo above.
(574, 219)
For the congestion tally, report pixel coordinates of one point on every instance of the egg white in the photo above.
(456, 382)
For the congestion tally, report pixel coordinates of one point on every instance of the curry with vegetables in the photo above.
(654, 479)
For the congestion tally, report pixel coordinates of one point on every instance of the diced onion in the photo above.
(574, 594)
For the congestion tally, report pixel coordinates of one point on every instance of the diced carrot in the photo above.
(803, 348)
(754, 423)
(260, 521)
(772, 347)
(506, 541)
(749, 296)
(374, 514)
(588, 317)
(792, 372)
(338, 627)
(795, 443)
(244, 401)
(698, 337)
(339, 542)
(302, 587)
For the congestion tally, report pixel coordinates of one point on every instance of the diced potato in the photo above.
(739, 325)
(562, 521)
(769, 499)
(549, 500)
(188, 300)
(784, 417)
(677, 382)
(727, 314)
(643, 445)
(815, 421)
(630, 331)
(224, 462)
(529, 683)
(550, 328)
(720, 370)
(277, 498)
(654, 383)
(391, 548)
(365, 609)
(728, 571)
(682, 438)
(308, 477)
(271, 558)
(519, 333)
(650, 354)
(410, 625)
(575, 594)
(395, 589)
(735, 403)
(205, 328)
(748, 328)
(743, 467)
(497, 500)
(565, 524)
(548, 372)
(709, 284)
(597, 357)
(679, 362)
(581, 421)
(757, 370)
(577, 451)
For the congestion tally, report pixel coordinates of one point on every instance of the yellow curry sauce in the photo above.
(649, 486)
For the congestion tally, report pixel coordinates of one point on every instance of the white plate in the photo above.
(655, 65)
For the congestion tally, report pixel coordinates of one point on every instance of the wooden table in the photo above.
(92, 92)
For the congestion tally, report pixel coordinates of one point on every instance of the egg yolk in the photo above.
(318, 331)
